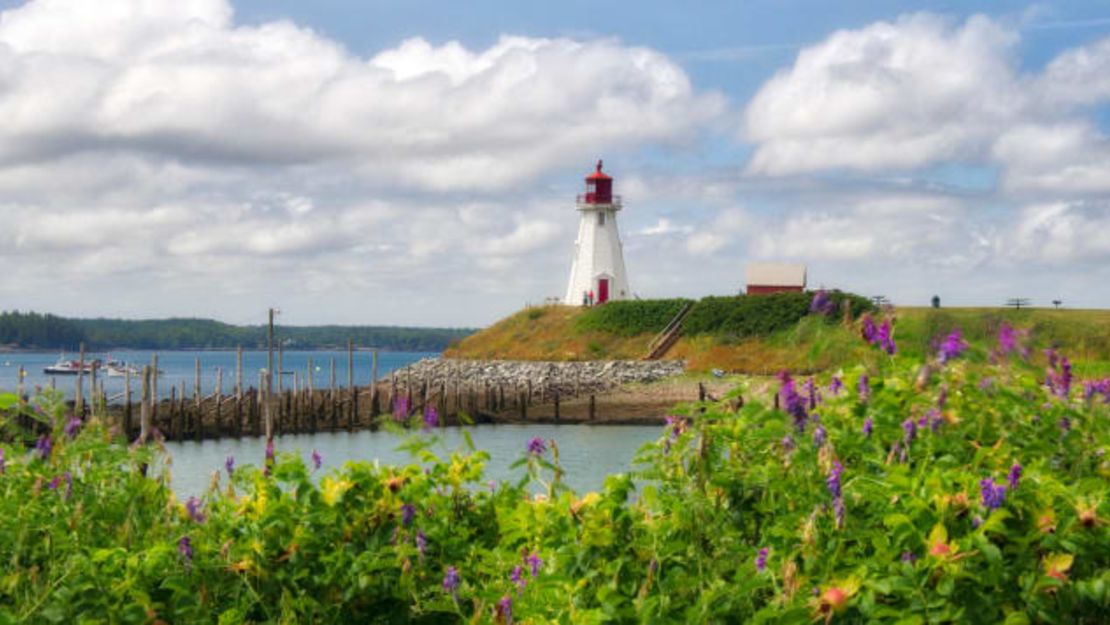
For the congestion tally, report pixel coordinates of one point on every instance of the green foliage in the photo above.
(630, 317)
(744, 316)
(31, 330)
(677, 542)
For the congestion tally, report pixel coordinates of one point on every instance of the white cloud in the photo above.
(1059, 232)
(899, 94)
(723, 230)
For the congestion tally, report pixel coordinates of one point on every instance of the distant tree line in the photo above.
(34, 330)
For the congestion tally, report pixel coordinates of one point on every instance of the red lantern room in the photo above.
(599, 187)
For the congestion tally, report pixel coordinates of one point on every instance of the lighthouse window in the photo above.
(601, 219)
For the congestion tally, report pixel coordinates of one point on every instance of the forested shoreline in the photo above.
(30, 330)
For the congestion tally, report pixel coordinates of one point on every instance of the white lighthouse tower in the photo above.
(598, 266)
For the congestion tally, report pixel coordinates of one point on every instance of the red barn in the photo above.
(764, 278)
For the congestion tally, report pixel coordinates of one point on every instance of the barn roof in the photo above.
(776, 274)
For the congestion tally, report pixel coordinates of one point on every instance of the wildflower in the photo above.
(54, 482)
(821, 303)
(44, 446)
(317, 460)
(269, 463)
(838, 511)
(942, 397)
(908, 557)
(192, 506)
(401, 407)
(1007, 339)
(451, 580)
(819, 436)
(953, 346)
(431, 417)
(1059, 377)
(536, 446)
(836, 385)
(185, 548)
(833, 481)
(421, 542)
(910, 430)
(1014, 475)
(976, 521)
(993, 495)
(534, 563)
(505, 610)
(72, 426)
(2, 461)
(788, 443)
(868, 426)
(761, 559)
(1065, 425)
(677, 426)
(229, 464)
(408, 513)
(811, 392)
(869, 331)
(792, 402)
(864, 387)
(885, 338)
(517, 576)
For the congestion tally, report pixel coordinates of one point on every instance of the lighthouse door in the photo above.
(602, 290)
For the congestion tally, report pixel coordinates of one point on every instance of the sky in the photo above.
(416, 163)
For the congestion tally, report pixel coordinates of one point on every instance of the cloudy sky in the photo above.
(416, 162)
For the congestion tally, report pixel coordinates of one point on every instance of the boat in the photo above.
(119, 369)
(70, 367)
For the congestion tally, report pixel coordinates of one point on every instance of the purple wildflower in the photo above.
(269, 463)
(885, 338)
(534, 563)
(976, 521)
(72, 426)
(44, 446)
(864, 387)
(421, 542)
(833, 481)
(952, 347)
(821, 303)
(229, 464)
(934, 419)
(1014, 476)
(192, 506)
(401, 407)
(3, 461)
(838, 511)
(811, 392)
(908, 557)
(836, 385)
(517, 576)
(505, 610)
(1007, 339)
(868, 426)
(451, 580)
(677, 426)
(317, 460)
(788, 443)
(792, 402)
(408, 513)
(761, 559)
(185, 548)
(1065, 425)
(431, 417)
(537, 447)
(910, 430)
(1059, 374)
(869, 332)
(993, 495)
(942, 396)
(819, 436)
(53, 485)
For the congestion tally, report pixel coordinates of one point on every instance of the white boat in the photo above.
(119, 369)
(70, 367)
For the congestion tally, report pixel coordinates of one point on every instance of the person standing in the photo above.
(591, 297)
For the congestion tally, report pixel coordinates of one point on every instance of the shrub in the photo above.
(630, 317)
(744, 316)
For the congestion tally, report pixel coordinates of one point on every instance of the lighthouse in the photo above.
(598, 265)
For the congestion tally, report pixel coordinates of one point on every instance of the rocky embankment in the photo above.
(566, 378)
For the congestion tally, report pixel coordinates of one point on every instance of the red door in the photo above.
(602, 290)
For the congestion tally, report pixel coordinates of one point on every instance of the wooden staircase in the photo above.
(662, 343)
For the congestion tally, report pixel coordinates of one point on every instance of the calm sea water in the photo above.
(179, 366)
(587, 453)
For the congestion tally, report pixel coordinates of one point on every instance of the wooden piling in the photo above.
(239, 391)
(198, 403)
(127, 403)
(311, 408)
(331, 399)
(146, 409)
(79, 396)
(352, 412)
(154, 388)
(593, 407)
(556, 405)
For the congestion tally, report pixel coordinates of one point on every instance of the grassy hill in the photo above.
(808, 343)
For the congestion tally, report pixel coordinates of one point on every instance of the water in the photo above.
(587, 453)
(179, 366)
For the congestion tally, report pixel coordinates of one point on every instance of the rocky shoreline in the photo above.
(566, 378)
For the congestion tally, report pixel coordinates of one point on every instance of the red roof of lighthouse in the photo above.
(598, 174)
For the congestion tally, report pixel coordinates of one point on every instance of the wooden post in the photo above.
(701, 392)
(154, 388)
(92, 392)
(556, 405)
(78, 397)
(268, 408)
(239, 391)
(593, 407)
(127, 403)
(281, 369)
(219, 400)
(352, 413)
(146, 409)
(198, 416)
(331, 399)
(171, 431)
(311, 404)
(375, 408)
(523, 406)
(256, 426)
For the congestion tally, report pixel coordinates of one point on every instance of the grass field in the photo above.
(551, 333)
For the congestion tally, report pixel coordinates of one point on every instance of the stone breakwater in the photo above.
(565, 378)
